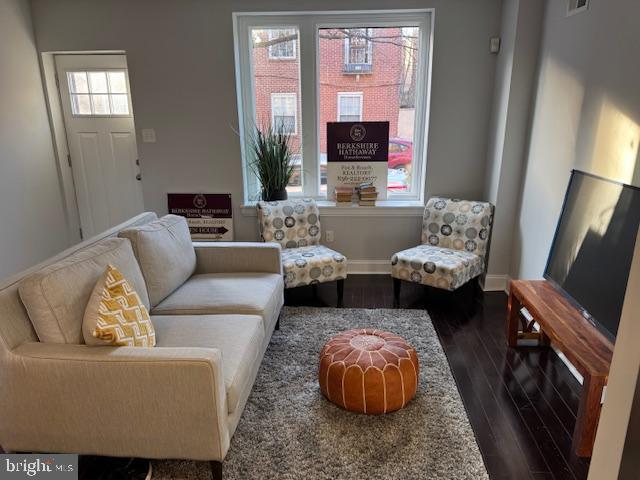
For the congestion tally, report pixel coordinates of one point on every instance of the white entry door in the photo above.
(96, 102)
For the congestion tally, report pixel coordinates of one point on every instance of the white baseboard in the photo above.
(380, 267)
(496, 283)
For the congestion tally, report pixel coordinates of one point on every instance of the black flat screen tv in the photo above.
(591, 253)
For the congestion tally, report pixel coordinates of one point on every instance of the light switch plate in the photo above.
(148, 135)
(495, 45)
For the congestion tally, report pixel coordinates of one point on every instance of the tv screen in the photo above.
(593, 247)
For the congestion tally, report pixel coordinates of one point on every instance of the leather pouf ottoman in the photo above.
(368, 371)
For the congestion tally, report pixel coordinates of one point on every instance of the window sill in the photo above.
(383, 208)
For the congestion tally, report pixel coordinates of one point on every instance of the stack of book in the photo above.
(343, 195)
(367, 194)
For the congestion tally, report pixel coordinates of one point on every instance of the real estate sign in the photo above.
(357, 152)
(209, 215)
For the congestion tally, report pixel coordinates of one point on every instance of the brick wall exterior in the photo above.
(380, 88)
(275, 76)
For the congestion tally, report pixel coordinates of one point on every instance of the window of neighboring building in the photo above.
(284, 112)
(358, 46)
(350, 107)
(282, 49)
(320, 89)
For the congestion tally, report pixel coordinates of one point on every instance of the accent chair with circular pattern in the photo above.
(295, 225)
(455, 243)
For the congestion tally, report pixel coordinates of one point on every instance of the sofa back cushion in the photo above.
(57, 296)
(165, 253)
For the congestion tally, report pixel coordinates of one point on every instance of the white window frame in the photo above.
(350, 94)
(295, 110)
(347, 50)
(308, 25)
(282, 57)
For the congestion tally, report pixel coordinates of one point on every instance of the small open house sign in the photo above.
(209, 215)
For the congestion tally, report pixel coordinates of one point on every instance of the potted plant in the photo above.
(272, 161)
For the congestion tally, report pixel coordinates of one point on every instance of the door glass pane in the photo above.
(80, 104)
(275, 62)
(379, 64)
(78, 82)
(100, 104)
(99, 85)
(98, 82)
(119, 105)
(117, 82)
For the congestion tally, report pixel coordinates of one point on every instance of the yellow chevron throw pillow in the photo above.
(115, 315)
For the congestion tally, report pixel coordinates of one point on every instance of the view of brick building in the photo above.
(364, 73)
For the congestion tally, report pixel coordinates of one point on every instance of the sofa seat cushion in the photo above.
(56, 296)
(220, 293)
(443, 268)
(238, 337)
(313, 264)
(165, 252)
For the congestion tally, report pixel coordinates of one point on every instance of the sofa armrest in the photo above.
(116, 401)
(237, 257)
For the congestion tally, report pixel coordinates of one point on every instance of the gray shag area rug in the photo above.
(290, 431)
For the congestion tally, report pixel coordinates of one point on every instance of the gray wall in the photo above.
(32, 217)
(180, 56)
(586, 116)
(509, 132)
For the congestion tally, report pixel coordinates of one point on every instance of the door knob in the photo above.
(139, 177)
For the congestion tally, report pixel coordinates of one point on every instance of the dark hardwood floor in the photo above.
(522, 402)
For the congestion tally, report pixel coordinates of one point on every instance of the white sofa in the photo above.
(213, 310)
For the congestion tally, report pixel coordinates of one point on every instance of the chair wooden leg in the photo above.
(340, 293)
(216, 470)
(397, 283)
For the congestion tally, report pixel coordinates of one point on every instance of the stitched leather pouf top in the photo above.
(368, 371)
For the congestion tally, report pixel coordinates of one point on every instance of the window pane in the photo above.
(78, 82)
(276, 86)
(117, 82)
(100, 104)
(80, 104)
(381, 63)
(98, 82)
(120, 105)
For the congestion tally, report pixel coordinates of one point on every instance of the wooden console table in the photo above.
(562, 325)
